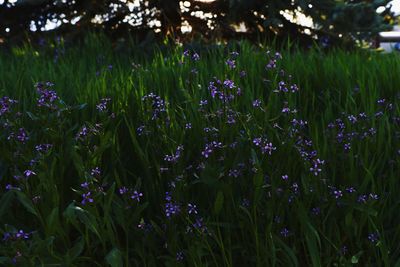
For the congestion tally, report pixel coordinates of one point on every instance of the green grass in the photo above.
(244, 215)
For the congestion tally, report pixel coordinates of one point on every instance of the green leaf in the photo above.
(26, 202)
(77, 249)
(5, 202)
(219, 202)
(52, 220)
(356, 257)
(368, 210)
(69, 213)
(32, 116)
(88, 220)
(114, 258)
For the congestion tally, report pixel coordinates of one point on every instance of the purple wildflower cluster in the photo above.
(174, 157)
(272, 64)
(14, 236)
(171, 208)
(155, 105)
(194, 56)
(264, 145)
(350, 129)
(224, 90)
(133, 194)
(90, 187)
(102, 106)
(21, 136)
(43, 148)
(6, 104)
(210, 147)
(88, 130)
(47, 98)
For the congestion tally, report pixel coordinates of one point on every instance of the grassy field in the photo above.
(219, 156)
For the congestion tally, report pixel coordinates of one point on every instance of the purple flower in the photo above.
(373, 237)
(231, 63)
(102, 106)
(186, 53)
(22, 136)
(362, 115)
(29, 173)
(257, 103)
(83, 133)
(43, 148)
(7, 236)
(350, 190)
(316, 211)
(373, 196)
(199, 225)
(337, 193)
(285, 177)
(196, 57)
(242, 74)
(188, 126)
(234, 173)
(245, 203)
(174, 157)
(285, 232)
(282, 87)
(172, 209)
(85, 185)
(203, 103)
(140, 130)
(21, 235)
(96, 172)
(6, 104)
(156, 105)
(213, 90)
(46, 97)
(86, 197)
(271, 64)
(136, 196)
(295, 188)
(372, 131)
(180, 256)
(257, 141)
(229, 84)
(10, 187)
(210, 147)
(294, 88)
(352, 119)
(123, 190)
(168, 196)
(347, 146)
(381, 101)
(362, 199)
(316, 169)
(268, 148)
(192, 208)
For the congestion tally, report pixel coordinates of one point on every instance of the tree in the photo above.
(349, 20)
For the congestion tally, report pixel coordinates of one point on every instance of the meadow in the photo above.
(236, 155)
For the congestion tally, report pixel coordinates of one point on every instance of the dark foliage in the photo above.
(350, 19)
